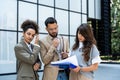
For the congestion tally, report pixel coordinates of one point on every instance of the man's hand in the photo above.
(55, 42)
(64, 55)
(36, 66)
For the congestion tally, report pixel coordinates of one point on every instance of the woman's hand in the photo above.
(36, 66)
(37, 39)
(77, 69)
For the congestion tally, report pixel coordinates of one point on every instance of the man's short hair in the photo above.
(50, 20)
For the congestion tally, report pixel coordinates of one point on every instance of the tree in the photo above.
(115, 23)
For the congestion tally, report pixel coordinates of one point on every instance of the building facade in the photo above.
(69, 14)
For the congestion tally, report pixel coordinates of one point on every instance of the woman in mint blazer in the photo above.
(27, 53)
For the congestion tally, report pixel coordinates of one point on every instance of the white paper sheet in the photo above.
(72, 60)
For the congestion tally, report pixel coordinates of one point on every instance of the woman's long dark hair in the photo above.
(86, 31)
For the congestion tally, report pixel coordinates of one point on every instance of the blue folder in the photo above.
(65, 65)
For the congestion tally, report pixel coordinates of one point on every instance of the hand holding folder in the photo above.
(70, 62)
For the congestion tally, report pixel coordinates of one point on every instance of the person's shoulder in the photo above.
(42, 40)
(19, 45)
(94, 46)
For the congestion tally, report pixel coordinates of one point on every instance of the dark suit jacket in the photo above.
(26, 59)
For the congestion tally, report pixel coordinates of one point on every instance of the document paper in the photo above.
(70, 62)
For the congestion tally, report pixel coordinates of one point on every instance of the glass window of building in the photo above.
(91, 6)
(7, 56)
(84, 18)
(84, 6)
(8, 23)
(97, 9)
(47, 2)
(68, 13)
(61, 4)
(75, 21)
(35, 1)
(27, 11)
(75, 5)
(8, 15)
(62, 20)
(44, 13)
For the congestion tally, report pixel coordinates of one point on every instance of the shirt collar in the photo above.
(51, 38)
(80, 44)
(27, 44)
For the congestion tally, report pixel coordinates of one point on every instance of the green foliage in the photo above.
(109, 57)
(106, 57)
(115, 23)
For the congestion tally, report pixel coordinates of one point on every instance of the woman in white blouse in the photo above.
(86, 52)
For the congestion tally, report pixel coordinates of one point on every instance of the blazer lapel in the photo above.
(49, 39)
(26, 47)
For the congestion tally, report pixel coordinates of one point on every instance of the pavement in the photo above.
(106, 71)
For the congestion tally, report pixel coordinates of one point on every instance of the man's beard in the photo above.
(53, 35)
